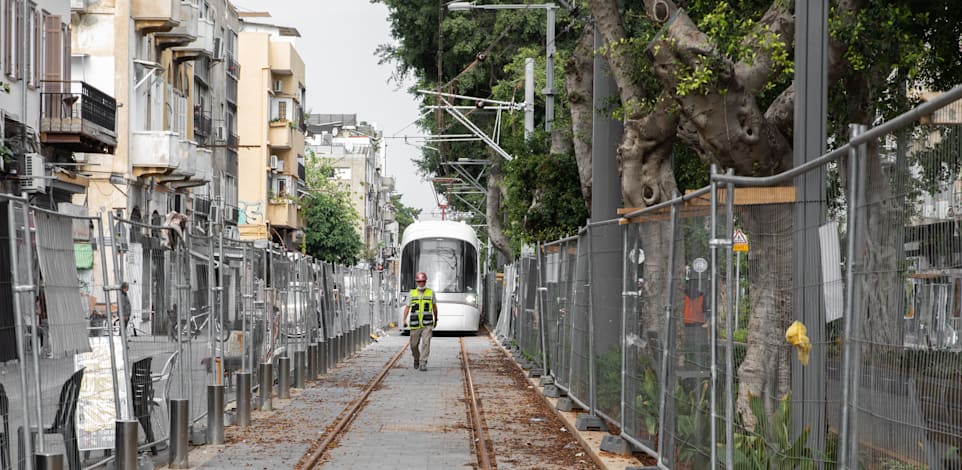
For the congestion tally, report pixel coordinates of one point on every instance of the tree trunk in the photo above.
(763, 372)
(493, 209)
(579, 80)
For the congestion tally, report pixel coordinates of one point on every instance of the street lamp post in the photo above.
(549, 47)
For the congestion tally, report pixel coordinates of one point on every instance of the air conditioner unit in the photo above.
(220, 133)
(278, 85)
(218, 50)
(279, 166)
(34, 174)
(274, 162)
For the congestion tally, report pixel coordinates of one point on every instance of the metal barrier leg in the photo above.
(324, 357)
(283, 377)
(215, 414)
(300, 366)
(125, 443)
(337, 349)
(179, 420)
(312, 361)
(243, 399)
(46, 461)
(265, 392)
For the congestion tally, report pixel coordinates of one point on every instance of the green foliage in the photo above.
(544, 199)
(692, 426)
(405, 215)
(331, 235)
(329, 216)
(771, 445)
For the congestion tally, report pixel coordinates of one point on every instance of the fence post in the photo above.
(848, 442)
(730, 330)
(21, 330)
(713, 243)
(668, 342)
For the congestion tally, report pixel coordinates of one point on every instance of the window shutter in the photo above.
(18, 37)
(37, 47)
(52, 49)
(65, 75)
(8, 37)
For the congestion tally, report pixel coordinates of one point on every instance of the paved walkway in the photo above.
(413, 420)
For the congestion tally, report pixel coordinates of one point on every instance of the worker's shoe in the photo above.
(424, 366)
(416, 363)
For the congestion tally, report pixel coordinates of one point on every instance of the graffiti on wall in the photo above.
(249, 212)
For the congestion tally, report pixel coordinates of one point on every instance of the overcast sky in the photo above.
(337, 43)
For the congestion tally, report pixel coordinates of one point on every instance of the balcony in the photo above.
(282, 212)
(154, 153)
(198, 170)
(280, 135)
(202, 46)
(77, 117)
(202, 128)
(232, 140)
(184, 33)
(283, 58)
(154, 16)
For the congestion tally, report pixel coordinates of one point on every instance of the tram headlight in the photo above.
(471, 298)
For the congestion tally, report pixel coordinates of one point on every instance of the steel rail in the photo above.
(313, 459)
(480, 431)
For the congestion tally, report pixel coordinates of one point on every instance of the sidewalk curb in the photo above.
(590, 440)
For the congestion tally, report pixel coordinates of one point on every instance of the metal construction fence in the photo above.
(749, 324)
(106, 320)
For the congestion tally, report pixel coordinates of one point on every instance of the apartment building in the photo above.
(272, 128)
(358, 155)
(168, 62)
(44, 115)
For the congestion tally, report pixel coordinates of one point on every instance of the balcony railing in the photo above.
(233, 67)
(202, 128)
(77, 117)
(232, 140)
(232, 90)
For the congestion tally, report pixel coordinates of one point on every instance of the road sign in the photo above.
(699, 265)
(739, 242)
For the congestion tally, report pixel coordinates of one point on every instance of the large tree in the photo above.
(702, 82)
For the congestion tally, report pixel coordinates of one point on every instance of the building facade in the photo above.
(168, 62)
(44, 116)
(356, 151)
(272, 128)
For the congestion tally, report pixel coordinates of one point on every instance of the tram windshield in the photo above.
(451, 265)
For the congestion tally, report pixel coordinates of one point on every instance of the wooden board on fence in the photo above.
(751, 196)
(699, 206)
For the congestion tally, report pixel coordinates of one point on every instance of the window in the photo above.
(282, 110)
(7, 14)
(451, 265)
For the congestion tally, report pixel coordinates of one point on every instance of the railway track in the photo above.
(476, 423)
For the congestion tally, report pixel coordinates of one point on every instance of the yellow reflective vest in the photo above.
(421, 309)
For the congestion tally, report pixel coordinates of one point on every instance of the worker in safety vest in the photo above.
(420, 316)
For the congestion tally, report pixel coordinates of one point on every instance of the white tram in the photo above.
(448, 252)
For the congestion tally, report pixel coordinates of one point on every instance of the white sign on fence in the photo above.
(96, 413)
(832, 286)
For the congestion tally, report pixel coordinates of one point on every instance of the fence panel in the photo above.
(578, 377)
(606, 242)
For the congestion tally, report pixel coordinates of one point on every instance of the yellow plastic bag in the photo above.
(796, 335)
